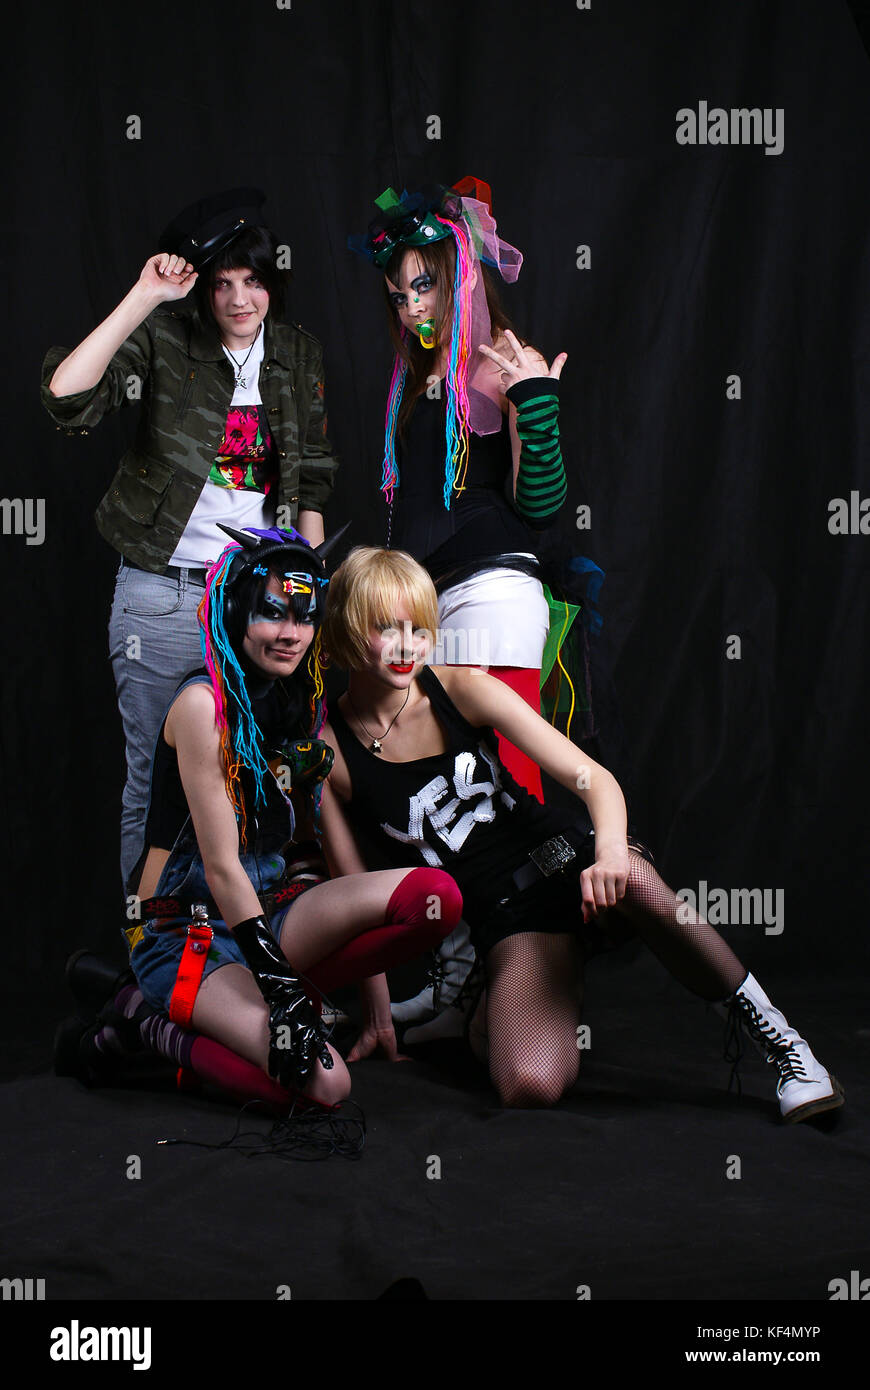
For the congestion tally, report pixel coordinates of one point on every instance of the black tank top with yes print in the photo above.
(459, 810)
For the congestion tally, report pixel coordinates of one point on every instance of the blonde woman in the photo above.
(418, 775)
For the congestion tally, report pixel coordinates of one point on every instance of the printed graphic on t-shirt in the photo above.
(452, 821)
(244, 458)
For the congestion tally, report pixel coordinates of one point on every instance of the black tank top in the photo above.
(459, 810)
(279, 717)
(480, 521)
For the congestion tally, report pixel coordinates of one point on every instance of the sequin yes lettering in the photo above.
(451, 823)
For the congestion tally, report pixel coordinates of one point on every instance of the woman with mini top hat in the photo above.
(472, 460)
(231, 429)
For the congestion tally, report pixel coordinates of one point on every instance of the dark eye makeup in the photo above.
(420, 284)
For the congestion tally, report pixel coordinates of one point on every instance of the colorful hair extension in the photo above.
(319, 712)
(317, 704)
(390, 473)
(240, 735)
(215, 579)
(458, 410)
(457, 416)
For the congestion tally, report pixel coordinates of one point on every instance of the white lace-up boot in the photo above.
(451, 965)
(804, 1087)
(455, 1020)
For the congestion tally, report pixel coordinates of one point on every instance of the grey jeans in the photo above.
(153, 644)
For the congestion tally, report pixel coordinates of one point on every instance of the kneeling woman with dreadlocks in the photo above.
(417, 767)
(222, 832)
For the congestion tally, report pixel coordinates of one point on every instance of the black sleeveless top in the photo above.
(459, 810)
(279, 718)
(481, 520)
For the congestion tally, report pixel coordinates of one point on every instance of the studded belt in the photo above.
(544, 861)
(555, 854)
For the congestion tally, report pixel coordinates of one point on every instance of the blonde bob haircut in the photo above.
(365, 592)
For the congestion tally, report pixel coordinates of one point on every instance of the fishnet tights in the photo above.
(533, 987)
(691, 950)
(532, 1012)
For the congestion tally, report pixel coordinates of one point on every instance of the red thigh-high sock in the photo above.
(527, 683)
(423, 910)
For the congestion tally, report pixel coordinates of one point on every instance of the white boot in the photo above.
(456, 1019)
(803, 1087)
(452, 962)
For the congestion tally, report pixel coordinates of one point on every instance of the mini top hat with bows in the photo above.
(431, 213)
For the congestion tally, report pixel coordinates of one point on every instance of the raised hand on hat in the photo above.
(166, 277)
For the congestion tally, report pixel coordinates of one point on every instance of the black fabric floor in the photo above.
(623, 1188)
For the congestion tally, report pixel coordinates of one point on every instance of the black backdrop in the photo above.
(709, 515)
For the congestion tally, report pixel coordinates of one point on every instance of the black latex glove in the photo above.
(296, 1036)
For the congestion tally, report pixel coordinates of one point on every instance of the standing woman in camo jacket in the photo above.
(232, 429)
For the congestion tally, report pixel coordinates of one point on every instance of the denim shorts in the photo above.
(155, 954)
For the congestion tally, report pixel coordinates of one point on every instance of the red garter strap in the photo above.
(189, 977)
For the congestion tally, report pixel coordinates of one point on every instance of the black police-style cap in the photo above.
(203, 230)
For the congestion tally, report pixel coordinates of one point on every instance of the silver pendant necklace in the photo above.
(375, 745)
(242, 381)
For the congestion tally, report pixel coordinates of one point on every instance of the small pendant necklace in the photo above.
(240, 366)
(375, 745)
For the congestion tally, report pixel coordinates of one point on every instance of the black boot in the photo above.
(95, 984)
(95, 981)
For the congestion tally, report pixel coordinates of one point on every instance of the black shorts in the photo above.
(554, 905)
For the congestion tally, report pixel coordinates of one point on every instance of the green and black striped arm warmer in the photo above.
(541, 485)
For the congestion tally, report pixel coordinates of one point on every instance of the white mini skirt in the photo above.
(497, 618)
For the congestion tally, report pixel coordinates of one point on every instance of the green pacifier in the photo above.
(425, 330)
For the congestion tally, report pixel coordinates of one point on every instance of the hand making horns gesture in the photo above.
(527, 362)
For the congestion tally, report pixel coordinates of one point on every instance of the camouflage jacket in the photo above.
(181, 373)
